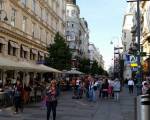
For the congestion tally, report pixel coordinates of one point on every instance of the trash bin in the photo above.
(145, 107)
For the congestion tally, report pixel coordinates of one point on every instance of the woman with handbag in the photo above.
(51, 100)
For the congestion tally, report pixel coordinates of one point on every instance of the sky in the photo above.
(105, 19)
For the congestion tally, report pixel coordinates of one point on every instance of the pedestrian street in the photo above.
(79, 109)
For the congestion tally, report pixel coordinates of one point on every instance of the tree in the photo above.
(85, 65)
(94, 68)
(59, 54)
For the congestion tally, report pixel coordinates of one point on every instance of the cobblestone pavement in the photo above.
(72, 109)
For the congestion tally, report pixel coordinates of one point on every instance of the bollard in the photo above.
(145, 107)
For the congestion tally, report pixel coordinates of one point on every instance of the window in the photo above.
(9, 49)
(1, 5)
(73, 12)
(12, 48)
(41, 12)
(33, 5)
(40, 58)
(23, 53)
(32, 55)
(33, 29)
(68, 23)
(40, 36)
(13, 17)
(46, 37)
(72, 25)
(1, 47)
(67, 12)
(46, 16)
(24, 2)
(14, 51)
(24, 23)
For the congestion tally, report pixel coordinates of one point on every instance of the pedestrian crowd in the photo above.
(90, 86)
(142, 88)
(87, 87)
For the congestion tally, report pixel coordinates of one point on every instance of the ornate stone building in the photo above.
(27, 27)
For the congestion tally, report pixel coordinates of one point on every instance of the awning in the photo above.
(41, 54)
(2, 41)
(34, 51)
(48, 69)
(13, 44)
(25, 48)
(8, 64)
(74, 72)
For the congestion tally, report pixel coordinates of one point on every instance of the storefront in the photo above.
(26, 72)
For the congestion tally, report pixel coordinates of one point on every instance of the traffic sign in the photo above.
(133, 59)
(133, 64)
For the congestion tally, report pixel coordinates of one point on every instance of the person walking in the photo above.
(92, 94)
(116, 89)
(105, 86)
(51, 101)
(145, 87)
(131, 86)
(18, 97)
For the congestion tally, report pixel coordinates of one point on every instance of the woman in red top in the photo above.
(51, 101)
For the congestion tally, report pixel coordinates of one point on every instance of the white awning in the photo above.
(34, 51)
(15, 45)
(2, 41)
(48, 69)
(41, 54)
(8, 64)
(76, 72)
(25, 48)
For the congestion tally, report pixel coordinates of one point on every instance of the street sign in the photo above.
(133, 59)
(133, 64)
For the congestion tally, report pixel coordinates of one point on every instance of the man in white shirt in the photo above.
(131, 86)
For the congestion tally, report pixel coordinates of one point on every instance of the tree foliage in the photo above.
(59, 54)
(93, 69)
(85, 66)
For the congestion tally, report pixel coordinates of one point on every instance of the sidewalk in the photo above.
(73, 109)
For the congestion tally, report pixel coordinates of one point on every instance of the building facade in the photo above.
(128, 38)
(145, 37)
(84, 38)
(94, 55)
(24, 37)
(77, 33)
